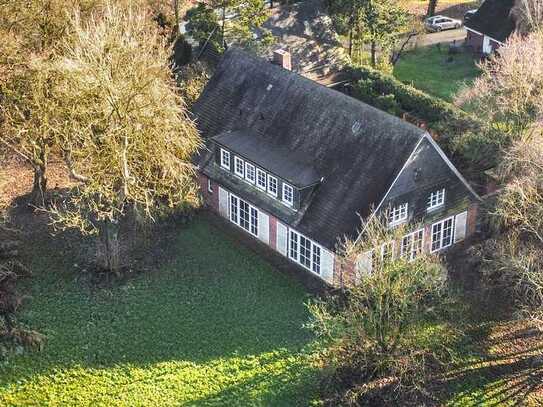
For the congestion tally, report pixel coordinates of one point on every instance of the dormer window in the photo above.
(288, 194)
(398, 214)
(250, 173)
(260, 179)
(238, 167)
(272, 185)
(436, 199)
(225, 159)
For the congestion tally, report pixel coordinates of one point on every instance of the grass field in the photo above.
(427, 69)
(216, 326)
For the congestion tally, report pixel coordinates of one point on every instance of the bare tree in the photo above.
(389, 294)
(529, 15)
(509, 92)
(126, 135)
(29, 34)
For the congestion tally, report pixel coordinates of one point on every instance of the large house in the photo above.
(490, 26)
(296, 165)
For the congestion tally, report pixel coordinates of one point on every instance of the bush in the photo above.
(387, 336)
(386, 93)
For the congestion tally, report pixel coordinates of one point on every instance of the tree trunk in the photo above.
(373, 54)
(350, 43)
(432, 6)
(37, 196)
(109, 251)
(176, 11)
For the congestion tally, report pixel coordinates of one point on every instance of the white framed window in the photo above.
(244, 215)
(288, 194)
(239, 167)
(260, 179)
(250, 173)
(387, 251)
(442, 234)
(412, 245)
(436, 199)
(225, 159)
(398, 214)
(209, 186)
(272, 185)
(304, 252)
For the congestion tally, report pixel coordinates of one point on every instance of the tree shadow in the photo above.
(196, 296)
(507, 374)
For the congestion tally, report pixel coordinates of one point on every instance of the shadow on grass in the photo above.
(206, 300)
(498, 370)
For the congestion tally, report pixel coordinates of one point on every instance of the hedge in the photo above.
(387, 93)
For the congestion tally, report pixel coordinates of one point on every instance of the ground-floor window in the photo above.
(442, 234)
(412, 244)
(243, 214)
(303, 251)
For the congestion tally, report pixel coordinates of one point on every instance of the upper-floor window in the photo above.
(272, 185)
(250, 173)
(436, 199)
(225, 159)
(288, 194)
(238, 167)
(398, 214)
(260, 179)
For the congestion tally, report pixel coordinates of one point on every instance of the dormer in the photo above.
(272, 170)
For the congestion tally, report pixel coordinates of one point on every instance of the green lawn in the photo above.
(427, 69)
(217, 326)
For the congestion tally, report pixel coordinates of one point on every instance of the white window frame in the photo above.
(209, 186)
(312, 263)
(225, 159)
(239, 161)
(411, 251)
(284, 194)
(392, 245)
(235, 214)
(270, 191)
(398, 214)
(248, 169)
(436, 199)
(440, 235)
(260, 173)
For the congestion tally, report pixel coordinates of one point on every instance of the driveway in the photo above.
(443, 36)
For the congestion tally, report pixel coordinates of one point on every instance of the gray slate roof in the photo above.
(495, 19)
(358, 149)
(278, 159)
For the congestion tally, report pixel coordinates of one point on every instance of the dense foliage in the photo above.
(374, 332)
(444, 119)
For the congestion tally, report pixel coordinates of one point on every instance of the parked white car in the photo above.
(440, 23)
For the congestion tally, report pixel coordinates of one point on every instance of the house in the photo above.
(296, 164)
(490, 26)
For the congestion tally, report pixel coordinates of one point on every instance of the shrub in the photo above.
(385, 337)
(385, 92)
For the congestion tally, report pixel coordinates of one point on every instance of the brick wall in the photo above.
(471, 224)
(211, 199)
(273, 232)
(475, 41)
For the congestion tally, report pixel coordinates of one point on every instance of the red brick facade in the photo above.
(211, 198)
(344, 272)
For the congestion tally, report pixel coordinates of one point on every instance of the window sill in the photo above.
(434, 208)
